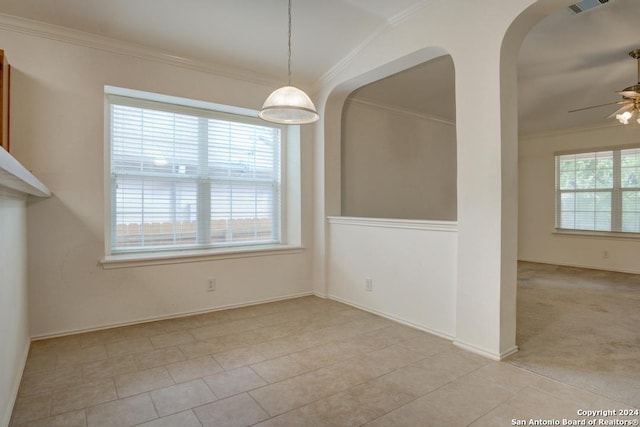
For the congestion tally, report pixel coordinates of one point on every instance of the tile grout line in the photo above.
(155, 408)
(319, 344)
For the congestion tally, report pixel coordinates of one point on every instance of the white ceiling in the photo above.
(566, 62)
(244, 34)
(575, 61)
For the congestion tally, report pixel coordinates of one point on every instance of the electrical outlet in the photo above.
(211, 285)
(368, 285)
(605, 254)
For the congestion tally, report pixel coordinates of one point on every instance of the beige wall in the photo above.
(58, 133)
(536, 240)
(396, 164)
(411, 266)
(14, 324)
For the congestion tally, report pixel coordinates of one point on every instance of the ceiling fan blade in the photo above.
(601, 105)
(629, 93)
(627, 107)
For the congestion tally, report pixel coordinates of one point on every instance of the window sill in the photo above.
(596, 234)
(142, 259)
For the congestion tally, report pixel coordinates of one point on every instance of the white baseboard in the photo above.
(588, 267)
(484, 352)
(167, 317)
(467, 347)
(16, 387)
(512, 350)
(392, 317)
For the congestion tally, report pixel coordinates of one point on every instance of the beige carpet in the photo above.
(581, 327)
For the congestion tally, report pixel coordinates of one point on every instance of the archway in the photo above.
(399, 148)
(561, 309)
(385, 245)
(484, 260)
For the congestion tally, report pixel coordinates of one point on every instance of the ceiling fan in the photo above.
(630, 103)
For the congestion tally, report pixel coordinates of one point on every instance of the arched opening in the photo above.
(392, 245)
(563, 310)
(481, 292)
(399, 147)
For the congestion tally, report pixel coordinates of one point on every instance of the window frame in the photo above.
(616, 192)
(289, 225)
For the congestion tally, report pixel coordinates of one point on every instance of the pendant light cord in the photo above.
(289, 63)
(289, 105)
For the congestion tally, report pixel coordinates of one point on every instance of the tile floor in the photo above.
(300, 362)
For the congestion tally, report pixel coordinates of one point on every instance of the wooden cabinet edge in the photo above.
(5, 95)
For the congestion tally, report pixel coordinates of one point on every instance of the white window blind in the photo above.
(184, 178)
(599, 191)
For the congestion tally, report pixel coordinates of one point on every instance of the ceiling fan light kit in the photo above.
(630, 104)
(632, 94)
(289, 105)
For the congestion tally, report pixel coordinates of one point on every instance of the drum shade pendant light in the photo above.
(289, 105)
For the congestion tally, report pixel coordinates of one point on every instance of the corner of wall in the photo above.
(13, 393)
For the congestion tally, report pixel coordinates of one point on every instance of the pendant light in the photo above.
(289, 105)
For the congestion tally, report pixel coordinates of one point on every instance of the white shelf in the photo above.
(15, 177)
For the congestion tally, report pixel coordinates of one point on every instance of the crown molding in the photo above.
(389, 23)
(67, 35)
(402, 16)
(572, 130)
(345, 61)
(400, 111)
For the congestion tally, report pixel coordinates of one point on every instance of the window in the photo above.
(191, 178)
(599, 191)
